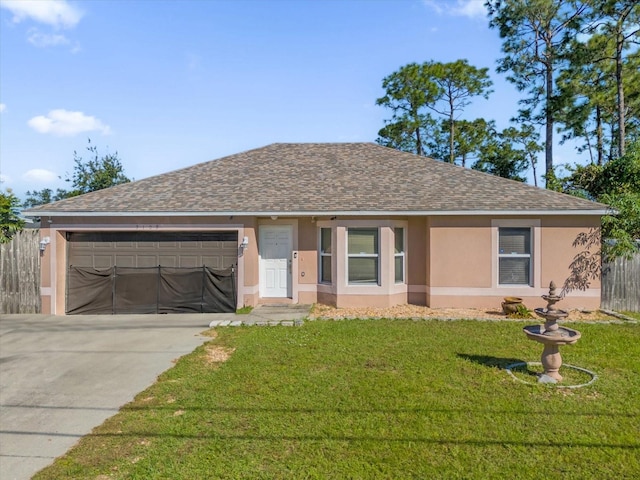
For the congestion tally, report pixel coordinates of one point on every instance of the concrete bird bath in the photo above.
(551, 335)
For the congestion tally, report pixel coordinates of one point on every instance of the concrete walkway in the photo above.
(61, 376)
(286, 315)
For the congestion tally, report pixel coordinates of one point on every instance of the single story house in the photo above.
(345, 224)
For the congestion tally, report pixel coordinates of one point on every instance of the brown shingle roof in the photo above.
(320, 177)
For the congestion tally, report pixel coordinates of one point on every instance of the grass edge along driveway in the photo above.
(375, 399)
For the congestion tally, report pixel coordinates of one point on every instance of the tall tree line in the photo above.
(577, 63)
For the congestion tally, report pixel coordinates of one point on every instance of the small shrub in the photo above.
(521, 312)
(244, 310)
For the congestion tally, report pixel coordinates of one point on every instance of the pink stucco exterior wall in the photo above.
(451, 261)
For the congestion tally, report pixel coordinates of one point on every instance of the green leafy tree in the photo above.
(528, 139)
(598, 92)
(407, 135)
(416, 91)
(407, 93)
(96, 173)
(88, 176)
(44, 196)
(470, 136)
(500, 156)
(10, 221)
(617, 184)
(585, 101)
(618, 22)
(535, 37)
(622, 229)
(456, 83)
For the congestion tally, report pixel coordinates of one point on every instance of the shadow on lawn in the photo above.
(490, 361)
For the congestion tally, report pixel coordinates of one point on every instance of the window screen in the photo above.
(514, 256)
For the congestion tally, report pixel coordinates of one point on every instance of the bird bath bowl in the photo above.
(551, 335)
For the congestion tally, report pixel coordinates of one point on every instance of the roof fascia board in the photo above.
(45, 213)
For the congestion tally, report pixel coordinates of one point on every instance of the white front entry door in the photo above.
(275, 261)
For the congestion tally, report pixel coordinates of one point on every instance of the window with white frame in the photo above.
(514, 256)
(399, 254)
(363, 256)
(325, 255)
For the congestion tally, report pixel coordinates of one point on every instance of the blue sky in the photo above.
(168, 84)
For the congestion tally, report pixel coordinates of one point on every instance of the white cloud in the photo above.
(44, 40)
(57, 13)
(4, 178)
(40, 39)
(458, 8)
(65, 123)
(3, 107)
(40, 175)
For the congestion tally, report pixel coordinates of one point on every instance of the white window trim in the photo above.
(362, 255)
(322, 254)
(534, 263)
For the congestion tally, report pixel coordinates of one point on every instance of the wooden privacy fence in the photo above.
(621, 284)
(20, 273)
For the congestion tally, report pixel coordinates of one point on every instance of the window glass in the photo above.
(325, 255)
(363, 270)
(514, 256)
(399, 254)
(399, 262)
(363, 241)
(325, 240)
(514, 271)
(515, 240)
(362, 256)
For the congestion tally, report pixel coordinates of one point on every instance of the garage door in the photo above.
(146, 272)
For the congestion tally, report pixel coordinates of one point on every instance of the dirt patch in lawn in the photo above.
(217, 354)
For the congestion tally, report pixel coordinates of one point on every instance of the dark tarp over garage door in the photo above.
(147, 272)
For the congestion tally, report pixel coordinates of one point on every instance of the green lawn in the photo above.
(388, 399)
(635, 315)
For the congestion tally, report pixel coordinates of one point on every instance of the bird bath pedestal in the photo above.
(551, 335)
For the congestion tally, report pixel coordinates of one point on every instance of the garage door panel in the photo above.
(144, 246)
(84, 244)
(189, 261)
(228, 260)
(85, 259)
(102, 261)
(100, 250)
(146, 261)
(125, 260)
(193, 245)
(168, 260)
(213, 261)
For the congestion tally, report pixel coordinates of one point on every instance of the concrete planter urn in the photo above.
(511, 304)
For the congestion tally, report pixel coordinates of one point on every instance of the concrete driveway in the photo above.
(62, 376)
